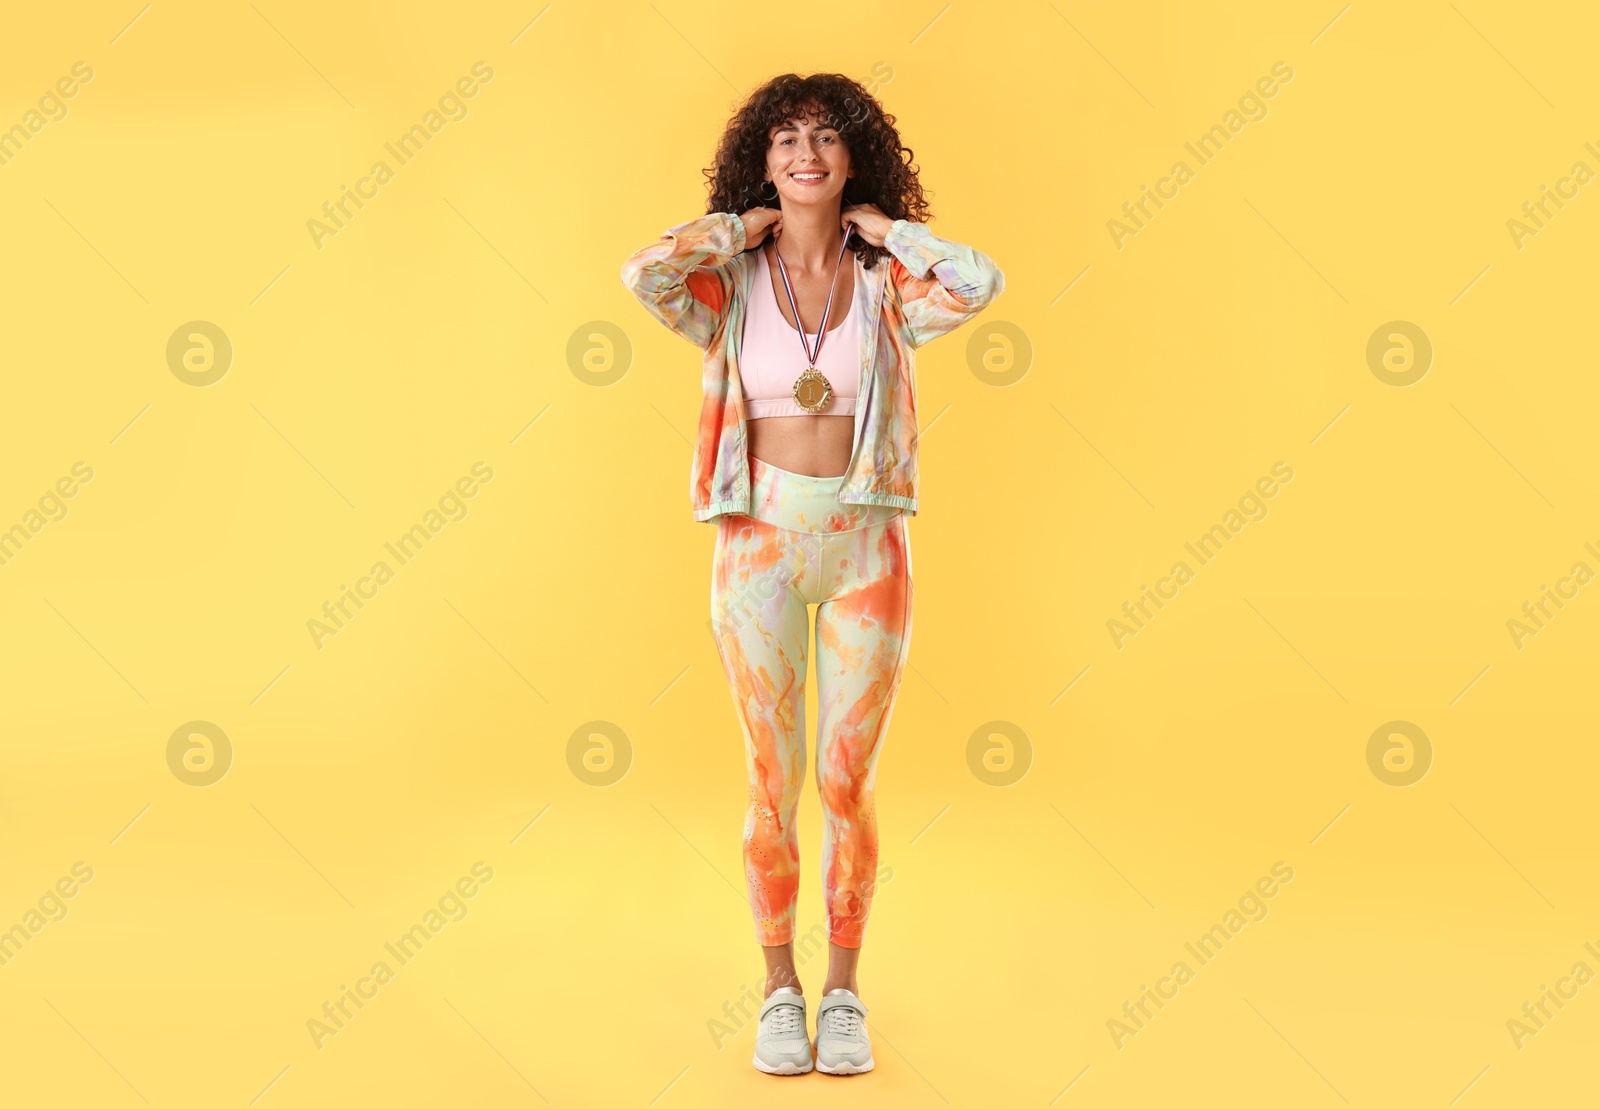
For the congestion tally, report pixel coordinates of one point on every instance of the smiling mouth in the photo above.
(808, 177)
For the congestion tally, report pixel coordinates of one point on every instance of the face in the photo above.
(808, 162)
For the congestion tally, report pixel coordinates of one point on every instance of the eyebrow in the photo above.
(816, 127)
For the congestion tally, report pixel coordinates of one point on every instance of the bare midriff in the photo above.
(817, 446)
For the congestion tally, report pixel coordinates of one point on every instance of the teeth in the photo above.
(808, 176)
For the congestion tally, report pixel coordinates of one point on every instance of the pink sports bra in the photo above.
(770, 356)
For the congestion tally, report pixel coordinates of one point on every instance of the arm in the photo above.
(683, 278)
(942, 284)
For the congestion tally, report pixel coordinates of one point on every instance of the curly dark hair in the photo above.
(884, 172)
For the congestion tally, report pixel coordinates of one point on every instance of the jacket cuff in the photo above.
(915, 244)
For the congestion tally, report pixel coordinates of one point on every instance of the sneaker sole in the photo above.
(785, 1069)
(845, 1068)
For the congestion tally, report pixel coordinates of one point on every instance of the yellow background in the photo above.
(369, 374)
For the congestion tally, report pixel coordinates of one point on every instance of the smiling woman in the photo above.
(807, 165)
(828, 156)
(807, 463)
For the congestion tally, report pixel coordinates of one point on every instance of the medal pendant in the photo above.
(812, 391)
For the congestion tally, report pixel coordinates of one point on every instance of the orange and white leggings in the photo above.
(801, 546)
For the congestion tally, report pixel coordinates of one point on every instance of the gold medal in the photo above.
(812, 390)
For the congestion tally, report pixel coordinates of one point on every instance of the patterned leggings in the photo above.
(801, 546)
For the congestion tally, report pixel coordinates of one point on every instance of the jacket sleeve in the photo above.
(943, 283)
(683, 278)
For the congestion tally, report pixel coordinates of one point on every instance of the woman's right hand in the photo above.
(759, 221)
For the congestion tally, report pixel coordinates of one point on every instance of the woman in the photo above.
(806, 462)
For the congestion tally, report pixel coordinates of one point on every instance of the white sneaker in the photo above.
(842, 1044)
(782, 1046)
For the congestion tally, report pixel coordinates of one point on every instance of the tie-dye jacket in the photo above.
(697, 278)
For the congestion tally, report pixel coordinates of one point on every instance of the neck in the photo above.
(811, 239)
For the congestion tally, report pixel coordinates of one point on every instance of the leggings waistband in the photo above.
(800, 502)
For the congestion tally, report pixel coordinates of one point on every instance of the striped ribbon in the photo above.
(821, 331)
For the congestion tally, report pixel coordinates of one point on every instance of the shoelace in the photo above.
(783, 1020)
(842, 1020)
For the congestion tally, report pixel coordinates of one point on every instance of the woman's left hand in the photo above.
(871, 224)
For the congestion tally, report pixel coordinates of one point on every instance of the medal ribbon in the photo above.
(822, 330)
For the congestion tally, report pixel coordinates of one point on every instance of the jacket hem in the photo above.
(742, 508)
(894, 500)
(722, 508)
